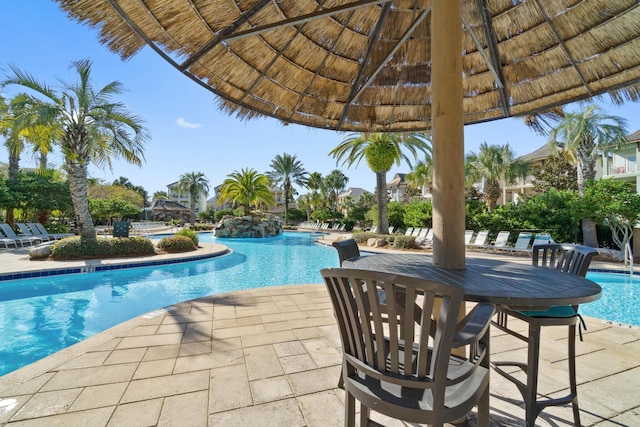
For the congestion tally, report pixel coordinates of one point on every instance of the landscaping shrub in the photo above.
(190, 234)
(404, 242)
(176, 243)
(366, 235)
(73, 247)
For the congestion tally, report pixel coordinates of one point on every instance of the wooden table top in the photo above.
(494, 281)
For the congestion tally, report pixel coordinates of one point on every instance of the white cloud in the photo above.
(185, 124)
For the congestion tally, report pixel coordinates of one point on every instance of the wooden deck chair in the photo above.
(414, 378)
(570, 259)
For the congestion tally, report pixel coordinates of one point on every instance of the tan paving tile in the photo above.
(143, 330)
(193, 348)
(150, 341)
(45, 404)
(275, 414)
(13, 388)
(267, 338)
(99, 396)
(200, 331)
(290, 348)
(10, 405)
(185, 410)
(322, 352)
(172, 328)
(94, 418)
(90, 376)
(238, 331)
(213, 359)
(262, 362)
(154, 368)
(138, 414)
(162, 352)
(229, 389)
(270, 389)
(126, 356)
(86, 360)
(323, 409)
(297, 363)
(169, 385)
(315, 381)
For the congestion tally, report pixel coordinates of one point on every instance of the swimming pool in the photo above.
(620, 301)
(43, 315)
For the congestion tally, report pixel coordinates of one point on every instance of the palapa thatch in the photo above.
(365, 65)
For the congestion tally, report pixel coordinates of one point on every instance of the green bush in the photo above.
(190, 234)
(366, 235)
(404, 242)
(176, 244)
(73, 247)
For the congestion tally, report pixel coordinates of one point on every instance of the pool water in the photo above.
(43, 315)
(620, 300)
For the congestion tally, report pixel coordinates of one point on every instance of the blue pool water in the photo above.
(43, 315)
(620, 300)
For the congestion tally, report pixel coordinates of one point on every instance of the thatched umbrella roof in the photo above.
(365, 65)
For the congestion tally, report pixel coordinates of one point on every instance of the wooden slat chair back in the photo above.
(346, 249)
(415, 378)
(570, 259)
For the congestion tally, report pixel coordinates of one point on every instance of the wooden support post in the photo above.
(447, 134)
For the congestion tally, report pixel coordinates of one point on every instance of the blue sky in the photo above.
(188, 132)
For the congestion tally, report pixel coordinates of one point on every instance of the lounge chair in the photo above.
(521, 245)
(10, 234)
(26, 231)
(468, 237)
(408, 374)
(501, 242)
(409, 231)
(542, 239)
(480, 240)
(570, 259)
(43, 230)
(426, 241)
(416, 231)
(8, 242)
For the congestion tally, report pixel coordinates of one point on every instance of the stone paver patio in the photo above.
(271, 357)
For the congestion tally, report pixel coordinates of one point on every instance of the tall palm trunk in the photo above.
(79, 197)
(586, 171)
(381, 198)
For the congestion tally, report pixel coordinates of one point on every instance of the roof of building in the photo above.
(634, 137)
(397, 180)
(353, 192)
(167, 205)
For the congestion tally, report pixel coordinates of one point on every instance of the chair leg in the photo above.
(530, 396)
(364, 415)
(349, 410)
(572, 374)
(483, 409)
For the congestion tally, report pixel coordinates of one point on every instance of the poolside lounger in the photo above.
(409, 231)
(468, 236)
(522, 244)
(32, 233)
(425, 241)
(10, 234)
(43, 230)
(501, 242)
(480, 240)
(416, 231)
(8, 242)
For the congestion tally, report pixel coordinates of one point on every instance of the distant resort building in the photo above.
(184, 198)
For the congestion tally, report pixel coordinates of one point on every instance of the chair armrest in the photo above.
(474, 325)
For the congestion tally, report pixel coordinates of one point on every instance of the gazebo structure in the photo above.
(389, 65)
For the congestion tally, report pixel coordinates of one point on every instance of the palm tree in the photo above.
(421, 177)
(247, 188)
(497, 166)
(315, 183)
(581, 135)
(89, 126)
(335, 182)
(195, 183)
(381, 150)
(287, 170)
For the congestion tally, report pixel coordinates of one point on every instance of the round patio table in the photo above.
(499, 282)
